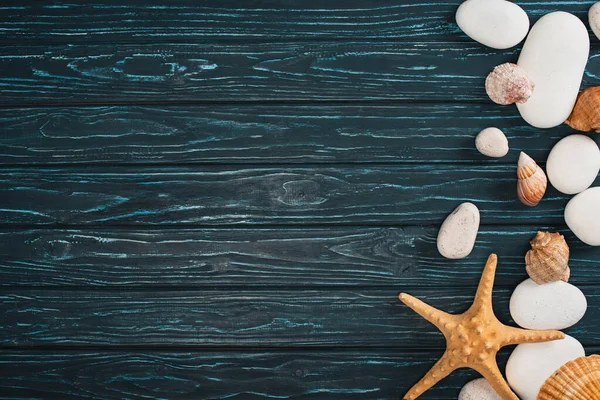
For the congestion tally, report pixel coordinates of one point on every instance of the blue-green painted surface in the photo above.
(222, 199)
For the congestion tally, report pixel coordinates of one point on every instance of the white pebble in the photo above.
(582, 216)
(499, 24)
(479, 389)
(554, 57)
(459, 231)
(530, 364)
(492, 142)
(594, 19)
(573, 164)
(552, 305)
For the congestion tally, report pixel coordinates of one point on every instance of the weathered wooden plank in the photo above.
(160, 20)
(359, 71)
(399, 195)
(218, 374)
(416, 133)
(205, 258)
(241, 317)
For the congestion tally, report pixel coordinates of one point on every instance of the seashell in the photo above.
(586, 113)
(532, 181)
(578, 379)
(548, 259)
(507, 84)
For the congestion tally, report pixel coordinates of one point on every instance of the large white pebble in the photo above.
(582, 216)
(554, 57)
(573, 164)
(553, 305)
(594, 19)
(491, 142)
(479, 389)
(459, 231)
(499, 24)
(530, 364)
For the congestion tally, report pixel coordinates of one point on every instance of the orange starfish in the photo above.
(473, 338)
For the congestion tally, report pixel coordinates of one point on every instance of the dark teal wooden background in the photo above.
(222, 199)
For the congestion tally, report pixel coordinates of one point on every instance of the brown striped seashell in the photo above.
(578, 379)
(548, 259)
(507, 84)
(532, 183)
(586, 113)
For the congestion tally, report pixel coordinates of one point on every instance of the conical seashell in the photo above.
(576, 380)
(507, 84)
(532, 181)
(548, 259)
(586, 113)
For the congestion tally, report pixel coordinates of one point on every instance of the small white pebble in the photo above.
(492, 142)
(479, 389)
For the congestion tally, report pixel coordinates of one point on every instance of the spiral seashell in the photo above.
(586, 113)
(578, 379)
(548, 259)
(532, 183)
(507, 84)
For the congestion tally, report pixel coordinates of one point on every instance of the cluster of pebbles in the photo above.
(544, 84)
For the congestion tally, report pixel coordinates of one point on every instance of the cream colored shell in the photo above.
(507, 84)
(532, 182)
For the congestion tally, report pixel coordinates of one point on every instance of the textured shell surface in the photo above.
(586, 113)
(578, 379)
(507, 84)
(532, 182)
(548, 259)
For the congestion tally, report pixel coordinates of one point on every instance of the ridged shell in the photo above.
(548, 259)
(507, 84)
(576, 380)
(532, 183)
(586, 113)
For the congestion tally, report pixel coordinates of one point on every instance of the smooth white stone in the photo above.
(492, 142)
(573, 164)
(582, 216)
(499, 24)
(594, 19)
(479, 389)
(553, 305)
(459, 231)
(530, 364)
(554, 57)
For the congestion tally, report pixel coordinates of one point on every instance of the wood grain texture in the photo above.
(267, 258)
(266, 134)
(242, 317)
(151, 21)
(218, 375)
(205, 73)
(398, 195)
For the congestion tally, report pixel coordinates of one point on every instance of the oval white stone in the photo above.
(491, 142)
(582, 216)
(499, 24)
(554, 57)
(553, 305)
(459, 231)
(479, 389)
(530, 364)
(573, 164)
(594, 19)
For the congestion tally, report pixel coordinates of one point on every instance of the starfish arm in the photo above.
(518, 335)
(493, 375)
(439, 371)
(483, 298)
(437, 317)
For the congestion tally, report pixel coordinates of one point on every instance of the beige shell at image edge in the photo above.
(508, 84)
(532, 181)
(548, 259)
(578, 379)
(585, 116)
